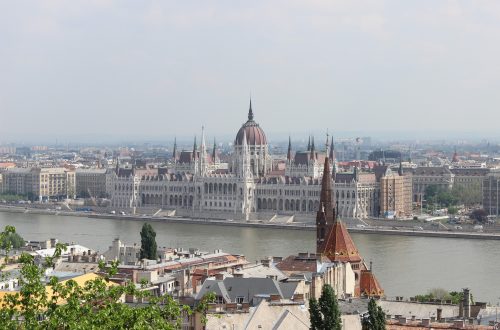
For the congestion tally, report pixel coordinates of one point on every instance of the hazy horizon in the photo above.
(121, 70)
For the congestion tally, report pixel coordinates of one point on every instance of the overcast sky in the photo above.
(146, 69)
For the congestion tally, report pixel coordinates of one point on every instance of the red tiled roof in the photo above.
(339, 245)
(369, 285)
(298, 264)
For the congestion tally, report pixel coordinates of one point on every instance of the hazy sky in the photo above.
(162, 68)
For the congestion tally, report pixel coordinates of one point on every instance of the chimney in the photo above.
(466, 303)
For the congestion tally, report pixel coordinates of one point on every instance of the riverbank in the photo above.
(256, 224)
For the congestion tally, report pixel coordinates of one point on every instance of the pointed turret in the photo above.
(289, 153)
(309, 144)
(313, 150)
(455, 156)
(332, 151)
(174, 153)
(195, 149)
(214, 151)
(203, 146)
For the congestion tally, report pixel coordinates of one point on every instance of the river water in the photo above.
(404, 265)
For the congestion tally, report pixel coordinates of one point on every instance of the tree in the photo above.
(148, 242)
(452, 210)
(95, 305)
(12, 240)
(325, 314)
(375, 320)
(468, 195)
(479, 215)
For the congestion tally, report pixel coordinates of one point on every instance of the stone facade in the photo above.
(198, 185)
(42, 183)
(91, 182)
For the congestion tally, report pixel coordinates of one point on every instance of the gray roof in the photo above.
(232, 287)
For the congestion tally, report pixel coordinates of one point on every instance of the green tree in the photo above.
(452, 210)
(468, 195)
(95, 305)
(148, 242)
(12, 240)
(375, 320)
(445, 198)
(325, 313)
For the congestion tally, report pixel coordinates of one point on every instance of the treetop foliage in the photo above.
(149, 248)
(325, 312)
(97, 304)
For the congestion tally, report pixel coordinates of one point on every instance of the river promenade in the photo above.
(380, 230)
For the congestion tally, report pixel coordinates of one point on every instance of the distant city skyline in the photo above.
(99, 71)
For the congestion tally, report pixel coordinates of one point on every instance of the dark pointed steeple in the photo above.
(250, 111)
(332, 151)
(289, 153)
(313, 150)
(214, 151)
(174, 153)
(309, 144)
(195, 148)
(455, 156)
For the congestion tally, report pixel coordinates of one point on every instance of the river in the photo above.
(404, 265)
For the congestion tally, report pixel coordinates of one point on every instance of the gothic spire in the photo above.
(195, 148)
(332, 152)
(309, 144)
(313, 149)
(289, 153)
(250, 111)
(174, 153)
(214, 151)
(202, 146)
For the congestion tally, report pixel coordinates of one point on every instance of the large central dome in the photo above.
(254, 134)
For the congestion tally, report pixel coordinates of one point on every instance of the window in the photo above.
(240, 299)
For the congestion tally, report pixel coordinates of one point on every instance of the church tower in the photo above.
(334, 244)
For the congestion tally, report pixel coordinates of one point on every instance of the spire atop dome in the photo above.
(250, 111)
